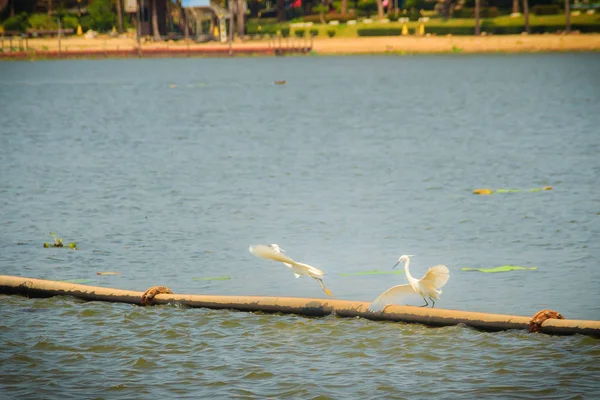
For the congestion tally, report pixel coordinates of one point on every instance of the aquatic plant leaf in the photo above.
(490, 191)
(502, 268)
(108, 273)
(507, 190)
(73, 245)
(484, 192)
(213, 278)
(373, 272)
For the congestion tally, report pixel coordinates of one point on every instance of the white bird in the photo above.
(274, 252)
(428, 286)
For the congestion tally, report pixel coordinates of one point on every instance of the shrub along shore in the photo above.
(346, 27)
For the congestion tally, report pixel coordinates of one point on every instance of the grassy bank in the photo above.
(455, 26)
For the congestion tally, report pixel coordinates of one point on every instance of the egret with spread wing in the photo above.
(427, 287)
(275, 253)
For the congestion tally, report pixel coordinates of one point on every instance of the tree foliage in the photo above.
(102, 17)
(42, 22)
(18, 23)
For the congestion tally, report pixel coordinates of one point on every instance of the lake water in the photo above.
(167, 170)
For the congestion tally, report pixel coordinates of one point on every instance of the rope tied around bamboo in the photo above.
(149, 294)
(535, 326)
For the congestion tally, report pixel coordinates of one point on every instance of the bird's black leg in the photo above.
(426, 303)
(433, 302)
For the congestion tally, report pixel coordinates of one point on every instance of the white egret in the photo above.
(428, 286)
(274, 252)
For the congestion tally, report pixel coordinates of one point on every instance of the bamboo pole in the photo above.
(31, 287)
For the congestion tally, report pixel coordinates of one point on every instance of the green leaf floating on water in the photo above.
(503, 268)
(213, 278)
(374, 272)
(508, 190)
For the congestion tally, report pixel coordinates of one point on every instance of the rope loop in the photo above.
(535, 325)
(149, 294)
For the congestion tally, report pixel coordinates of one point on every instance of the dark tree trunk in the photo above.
(155, 30)
(280, 10)
(184, 21)
(448, 7)
(567, 16)
(120, 16)
(526, 15)
(240, 18)
(324, 3)
(477, 27)
(379, 9)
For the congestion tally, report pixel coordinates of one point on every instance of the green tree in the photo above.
(18, 23)
(101, 15)
(42, 22)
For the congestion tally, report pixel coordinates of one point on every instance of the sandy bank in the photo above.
(340, 46)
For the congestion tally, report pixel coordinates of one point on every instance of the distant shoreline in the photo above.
(79, 47)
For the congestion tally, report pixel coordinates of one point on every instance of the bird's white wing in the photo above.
(436, 277)
(269, 253)
(313, 272)
(393, 295)
(310, 270)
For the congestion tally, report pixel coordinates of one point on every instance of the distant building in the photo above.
(194, 10)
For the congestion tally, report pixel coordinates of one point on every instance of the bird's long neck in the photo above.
(407, 270)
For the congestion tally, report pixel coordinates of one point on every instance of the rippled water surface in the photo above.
(166, 170)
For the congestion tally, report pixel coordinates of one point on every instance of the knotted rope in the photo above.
(535, 325)
(149, 294)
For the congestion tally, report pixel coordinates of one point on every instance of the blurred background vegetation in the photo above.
(270, 16)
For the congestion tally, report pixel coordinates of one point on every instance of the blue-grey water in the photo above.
(167, 170)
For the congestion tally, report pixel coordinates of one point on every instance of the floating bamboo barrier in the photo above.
(31, 287)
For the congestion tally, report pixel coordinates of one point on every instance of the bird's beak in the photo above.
(396, 265)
